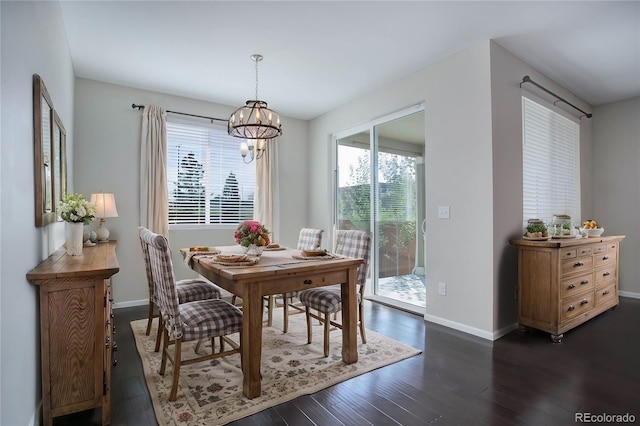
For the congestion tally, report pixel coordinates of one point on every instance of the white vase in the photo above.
(73, 237)
(253, 250)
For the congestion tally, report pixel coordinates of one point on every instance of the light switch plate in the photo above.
(443, 212)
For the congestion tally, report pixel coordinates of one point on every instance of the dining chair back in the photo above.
(328, 300)
(189, 290)
(190, 321)
(308, 239)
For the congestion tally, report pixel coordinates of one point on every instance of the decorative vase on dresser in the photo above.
(564, 282)
(73, 235)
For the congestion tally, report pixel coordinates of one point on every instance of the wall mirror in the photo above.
(46, 174)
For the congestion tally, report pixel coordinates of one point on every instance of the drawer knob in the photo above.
(578, 264)
(571, 286)
(604, 293)
(605, 257)
(307, 282)
(606, 274)
(584, 302)
(583, 282)
(571, 308)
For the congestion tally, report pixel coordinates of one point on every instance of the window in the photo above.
(550, 163)
(207, 181)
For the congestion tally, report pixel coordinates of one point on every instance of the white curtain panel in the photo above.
(264, 205)
(154, 203)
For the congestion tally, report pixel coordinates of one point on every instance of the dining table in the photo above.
(278, 271)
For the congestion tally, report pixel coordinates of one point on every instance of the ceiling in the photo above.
(319, 55)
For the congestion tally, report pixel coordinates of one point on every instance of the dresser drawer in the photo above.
(568, 253)
(606, 274)
(606, 257)
(612, 247)
(575, 285)
(574, 266)
(576, 306)
(607, 293)
(599, 249)
(585, 251)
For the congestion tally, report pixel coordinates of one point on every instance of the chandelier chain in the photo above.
(257, 60)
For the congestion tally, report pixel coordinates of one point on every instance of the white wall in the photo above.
(33, 41)
(457, 97)
(107, 153)
(506, 74)
(616, 183)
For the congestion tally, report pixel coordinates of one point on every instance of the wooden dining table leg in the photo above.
(252, 341)
(349, 318)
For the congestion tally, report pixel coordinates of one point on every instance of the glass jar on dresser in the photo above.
(564, 282)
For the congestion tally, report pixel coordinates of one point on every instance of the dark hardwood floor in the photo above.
(520, 379)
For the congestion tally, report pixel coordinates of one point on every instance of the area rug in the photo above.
(210, 393)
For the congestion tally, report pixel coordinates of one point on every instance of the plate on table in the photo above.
(316, 252)
(524, 237)
(235, 260)
(274, 248)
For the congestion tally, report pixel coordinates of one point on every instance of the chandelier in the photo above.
(254, 122)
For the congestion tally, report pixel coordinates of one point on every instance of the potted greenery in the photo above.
(536, 229)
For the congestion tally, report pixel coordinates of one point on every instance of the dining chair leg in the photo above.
(221, 343)
(198, 344)
(361, 314)
(150, 318)
(270, 302)
(176, 369)
(165, 348)
(285, 313)
(308, 314)
(159, 334)
(327, 324)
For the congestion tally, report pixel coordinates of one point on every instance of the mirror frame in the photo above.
(59, 170)
(45, 208)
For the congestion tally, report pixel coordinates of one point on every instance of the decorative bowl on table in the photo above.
(592, 233)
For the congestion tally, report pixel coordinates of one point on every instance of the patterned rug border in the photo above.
(379, 351)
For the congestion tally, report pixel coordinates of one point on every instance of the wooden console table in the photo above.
(565, 282)
(76, 330)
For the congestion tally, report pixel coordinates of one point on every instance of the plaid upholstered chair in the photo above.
(189, 290)
(327, 300)
(190, 321)
(309, 239)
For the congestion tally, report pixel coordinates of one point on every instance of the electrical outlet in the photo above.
(442, 289)
(443, 212)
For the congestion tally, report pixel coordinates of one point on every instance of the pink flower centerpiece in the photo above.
(252, 237)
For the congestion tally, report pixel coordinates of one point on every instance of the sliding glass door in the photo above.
(380, 188)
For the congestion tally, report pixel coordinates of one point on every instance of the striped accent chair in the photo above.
(189, 290)
(327, 300)
(190, 321)
(309, 239)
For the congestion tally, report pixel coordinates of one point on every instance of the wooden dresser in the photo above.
(76, 330)
(563, 283)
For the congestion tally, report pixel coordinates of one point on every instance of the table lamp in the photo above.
(105, 207)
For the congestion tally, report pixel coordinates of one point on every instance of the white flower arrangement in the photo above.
(75, 208)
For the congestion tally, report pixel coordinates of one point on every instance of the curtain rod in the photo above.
(527, 79)
(134, 106)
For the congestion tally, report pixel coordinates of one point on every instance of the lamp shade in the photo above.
(105, 205)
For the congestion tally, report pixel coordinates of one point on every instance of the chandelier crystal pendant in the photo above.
(254, 121)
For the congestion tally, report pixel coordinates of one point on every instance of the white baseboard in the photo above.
(629, 294)
(131, 303)
(35, 418)
(504, 330)
(460, 327)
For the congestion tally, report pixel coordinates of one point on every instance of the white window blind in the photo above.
(207, 181)
(550, 163)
